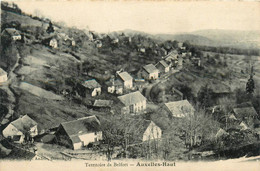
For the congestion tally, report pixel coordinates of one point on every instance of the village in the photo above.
(133, 109)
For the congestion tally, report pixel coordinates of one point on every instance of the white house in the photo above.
(179, 109)
(3, 76)
(150, 72)
(13, 33)
(133, 102)
(21, 127)
(53, 43)
(91, 87)
(79, 133)
(127, 80)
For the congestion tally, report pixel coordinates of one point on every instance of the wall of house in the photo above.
(111, 89)
(139, 107)
(34, 131)
(10, 130)
(18, 37)
(152, 132)
(3, 78)
(77, 146)
(90, 137)
(150, 76)
(96, 91)
(153, 76)
(128, 84)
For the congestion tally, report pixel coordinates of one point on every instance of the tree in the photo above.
(205, 96)
(250, 85)
(50, 29)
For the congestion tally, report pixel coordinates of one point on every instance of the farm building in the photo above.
(140, 130)
(133, 102)
(221, 133)
(163, 66)
(79, 133)
(12, 33)
(103, 105)
(179, 109)
(51, 42)
(150, 72)
(89, 87)
(114, 86)
(20, 128)
(246, 114)
(126, 79)
(3, 76)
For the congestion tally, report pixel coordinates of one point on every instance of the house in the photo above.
(3, 76)
(180, 44)
(98, 43)
(246, 114)
(114, 86)
(126, 79)
(141, 49)
(51, 42)
(243, 126)
(91, 87)
(103, 105)
(20, 128)
(12, 33)
(133, 102)
(140, 130)
(79, 133)
(221, 133)
(163, 66)
(150, 72)
(179, 109)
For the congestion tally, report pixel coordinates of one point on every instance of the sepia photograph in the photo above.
(129, 84)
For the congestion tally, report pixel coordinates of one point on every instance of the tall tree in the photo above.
(250, 85)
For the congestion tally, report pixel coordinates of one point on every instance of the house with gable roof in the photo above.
(21, 127)
(12, 33)
(133, 102)
(89, 87)
(179, 109)
(126, 79)
(79, 133)
(163, 66)
(246, 114)
(141, 130)
(150, 72)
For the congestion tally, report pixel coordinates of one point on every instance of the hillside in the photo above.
(214, 38)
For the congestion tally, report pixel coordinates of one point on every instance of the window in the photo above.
(131, 108)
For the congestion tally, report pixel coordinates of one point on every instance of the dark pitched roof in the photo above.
(81, 126)
(131, 98)
(91, 84)
(24, 123)
(103, 103)
(125, 76)
(2, 72)
(245, 112)
(137, 127)
(12, 31)
(180, 108)
(164, 64)
(150, 68)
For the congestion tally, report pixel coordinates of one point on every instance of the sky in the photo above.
(149, 16)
